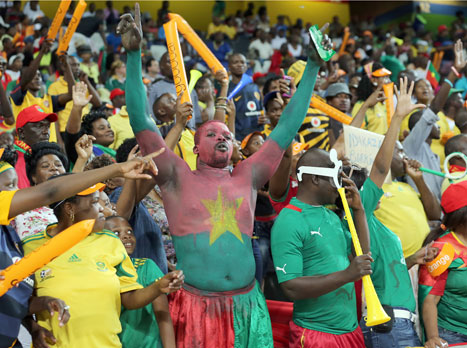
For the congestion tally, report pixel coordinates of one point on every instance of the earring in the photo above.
(72, 217)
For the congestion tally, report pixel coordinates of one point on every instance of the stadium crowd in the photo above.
(206, 209)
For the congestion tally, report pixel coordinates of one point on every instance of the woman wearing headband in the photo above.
(95, 277)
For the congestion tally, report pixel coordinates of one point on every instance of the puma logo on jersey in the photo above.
(281, 269)
(316, 232)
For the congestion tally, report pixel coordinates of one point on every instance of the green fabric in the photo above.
(315, 242)
(136, 95)
(434, 72)
(113, 83)
(251, 316)
(394, 65)
(296, 110)
(139, 326)
(452, 308)
(390, 275)
(106, 150)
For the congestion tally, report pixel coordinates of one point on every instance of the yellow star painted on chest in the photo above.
(223, 216)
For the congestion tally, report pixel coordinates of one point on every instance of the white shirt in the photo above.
(296, 52)
(277, 42)
(264, 48)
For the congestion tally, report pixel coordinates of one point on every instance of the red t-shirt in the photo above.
(292, 189)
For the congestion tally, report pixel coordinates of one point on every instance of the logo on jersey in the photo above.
(316, 232)
(281, 268)
(315, 122)
(46, 104)
(251, 105)
(257, 96)
(15, 259)
(74, 258)
(101, 266)
(46, 274)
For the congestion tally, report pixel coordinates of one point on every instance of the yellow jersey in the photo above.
(120, 124)
(402, 212)
(375, 118)
(5, 202)
(89, 277)
(447, 128)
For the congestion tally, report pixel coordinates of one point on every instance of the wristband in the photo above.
(449, 82)
(454, 70)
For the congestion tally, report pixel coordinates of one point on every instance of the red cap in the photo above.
(455, 197)
(116, 92)
(34, 114)
(442, 27)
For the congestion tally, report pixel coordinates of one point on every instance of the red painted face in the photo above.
(215, 145)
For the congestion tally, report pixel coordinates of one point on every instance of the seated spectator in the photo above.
(154, 317)
(278, 58)
(152, 72)
(117, 76)
(219, 47)
(215, 26)
(278, 40)
(97, 125)
(295, 47)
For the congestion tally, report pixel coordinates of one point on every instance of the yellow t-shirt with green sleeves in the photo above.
(60, 86)
(375, 117)
(120, 124)
(5, 202)
(401, 211)
(446, 125)
(89, 277)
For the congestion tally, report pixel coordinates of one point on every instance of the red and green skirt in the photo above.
(228, 319)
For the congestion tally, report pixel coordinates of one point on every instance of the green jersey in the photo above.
(139, 326)
(311, 240)
(390, 275)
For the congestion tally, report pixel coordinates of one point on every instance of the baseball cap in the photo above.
(454, 197)
(381, 72)
(14, 57)
(337, 88)
(97, 187)
(246, 140)
(116, 92)
(296, 70)
(33, 114)
(442, 28)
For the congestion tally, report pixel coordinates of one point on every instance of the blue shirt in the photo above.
(221, 52)
(248, 109)
(14, 305)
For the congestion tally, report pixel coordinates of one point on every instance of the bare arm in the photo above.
(313, 287)
(6, 107)
(219, 114)
(80, 100)
(382, 163)
(139, 298)
(63, 99)
(161, 310)
(430, 319)
(183, 111)
(430, 202)
(280, 180)
(30, 72)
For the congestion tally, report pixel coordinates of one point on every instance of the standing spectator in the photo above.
(338, 96)
(15, 64)
(5, 77)
(152, 72)
(247, 101)
(32, 10)
(120, 123)
(295, 48)
(162, 13)
(390, 62)
(215, 26)
(220, 48)
(263, 50)
(90, 68)
(111, 15)
(278, 58)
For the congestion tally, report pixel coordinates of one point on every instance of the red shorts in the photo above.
(305, 338)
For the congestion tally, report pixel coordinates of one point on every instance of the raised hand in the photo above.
(83, 146)
(287, 85)
(135, 168)
(183, 111)
(80, 98)
(222, 77)
(404, 99)
(459, 60)
(326, 43)
(351, 193)
(412, 169)
(130, 30)
(171, 282)
(376, 97)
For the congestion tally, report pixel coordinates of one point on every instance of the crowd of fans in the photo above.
(75, 127)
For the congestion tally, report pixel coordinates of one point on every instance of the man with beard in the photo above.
(210, 212)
